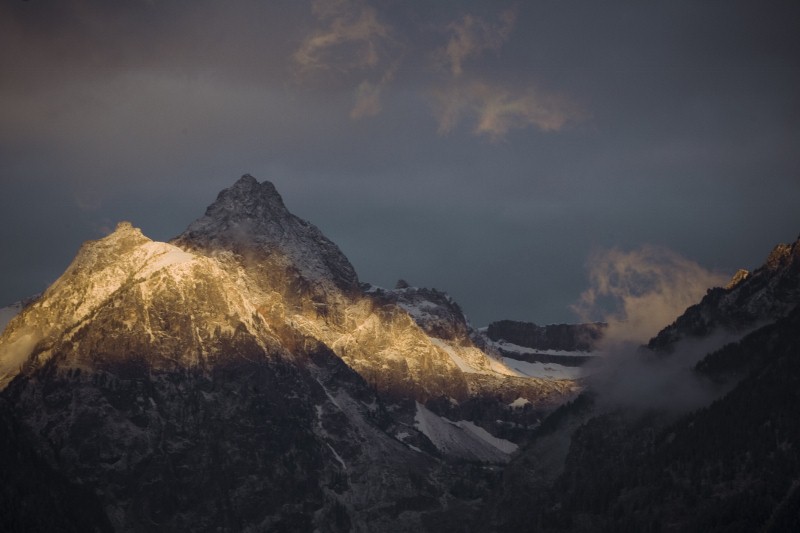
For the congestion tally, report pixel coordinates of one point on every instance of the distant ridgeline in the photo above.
(554, 337)
(566, 337)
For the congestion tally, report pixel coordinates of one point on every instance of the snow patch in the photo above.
(462, 439)
(475, 361)
(544, 370)
(516, 348)
(460, 362)
(501, 444)
(163, 256)
(337, 457)
(419, 311)
(519, 403)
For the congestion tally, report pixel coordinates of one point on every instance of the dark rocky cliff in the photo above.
(567, 337)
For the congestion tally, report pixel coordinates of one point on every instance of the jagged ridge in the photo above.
(772, 291)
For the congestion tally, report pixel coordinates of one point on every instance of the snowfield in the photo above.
(544, 370)
(462, 439)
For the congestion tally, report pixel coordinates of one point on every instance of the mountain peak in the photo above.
(250, 217)
(125, 229)
(247, 198)
(247, 183)
(246, 179)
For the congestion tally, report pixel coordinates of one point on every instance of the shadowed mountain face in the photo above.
(36, 497)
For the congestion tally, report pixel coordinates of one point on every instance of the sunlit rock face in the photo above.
(241, 377)
(126, 297)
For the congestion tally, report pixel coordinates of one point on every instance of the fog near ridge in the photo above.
(639, 292)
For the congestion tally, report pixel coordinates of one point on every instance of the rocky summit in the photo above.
(241, 378)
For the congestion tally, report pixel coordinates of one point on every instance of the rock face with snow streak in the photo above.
(238, 377)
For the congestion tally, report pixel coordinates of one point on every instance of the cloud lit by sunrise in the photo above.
(496, 110)
(368, 96)
(470, 36)
(638, 292)
(353, 42)
(351, 37)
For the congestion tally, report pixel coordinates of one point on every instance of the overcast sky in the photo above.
(487, 148)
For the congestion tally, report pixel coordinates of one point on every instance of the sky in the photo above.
(500, 151)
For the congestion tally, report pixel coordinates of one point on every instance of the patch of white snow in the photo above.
(462, 364)
(337, 457)
(519, 403)
(462, 439)
(516, 348)
(544, 370)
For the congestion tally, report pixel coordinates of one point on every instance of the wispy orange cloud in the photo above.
(351, 38)
(471, 36)
(353, 41)
(368, 96)
(496, 109)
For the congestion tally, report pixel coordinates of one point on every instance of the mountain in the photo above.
(730, 465)
(240, 377)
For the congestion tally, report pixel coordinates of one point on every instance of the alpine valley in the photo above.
(241, 378)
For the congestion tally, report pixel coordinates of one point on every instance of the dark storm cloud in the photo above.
(486, 148)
